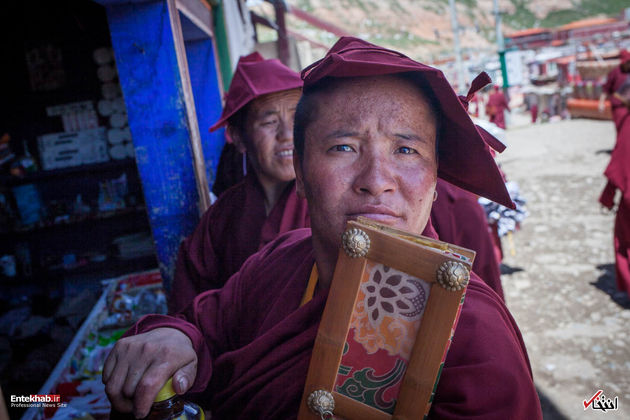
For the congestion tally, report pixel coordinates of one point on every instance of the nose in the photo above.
(375, 175)
(285, 129)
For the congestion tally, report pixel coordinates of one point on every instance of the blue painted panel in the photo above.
(149, 76)
(205, 85)
(190, 31)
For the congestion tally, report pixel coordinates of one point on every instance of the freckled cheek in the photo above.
(326, 190)
(417, 188)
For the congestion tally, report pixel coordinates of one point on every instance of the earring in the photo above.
(435, 194)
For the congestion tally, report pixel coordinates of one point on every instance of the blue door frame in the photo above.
(144, 45)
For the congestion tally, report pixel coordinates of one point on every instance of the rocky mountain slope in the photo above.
(422, 28)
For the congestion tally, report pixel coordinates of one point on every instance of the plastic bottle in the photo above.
(170, 406)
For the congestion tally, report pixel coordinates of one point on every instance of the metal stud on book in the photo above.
(321, 402)
(453, 275)
(355, 242)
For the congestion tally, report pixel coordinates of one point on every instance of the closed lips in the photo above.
(374, 210)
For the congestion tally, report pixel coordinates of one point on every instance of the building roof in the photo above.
(527, 32)
(585, 23)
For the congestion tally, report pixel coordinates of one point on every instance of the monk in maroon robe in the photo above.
(618, 171)
(617, 90)
(459, 219)
(258, 112)
(496, 106)
(365, 137)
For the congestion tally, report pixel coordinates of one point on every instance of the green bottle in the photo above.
(170, 406)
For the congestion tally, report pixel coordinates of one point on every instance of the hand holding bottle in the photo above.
(138, 367)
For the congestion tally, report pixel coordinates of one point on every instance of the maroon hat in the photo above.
(624, 55)
(464, 158)
(254, 77)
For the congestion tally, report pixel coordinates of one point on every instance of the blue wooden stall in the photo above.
(164, 121)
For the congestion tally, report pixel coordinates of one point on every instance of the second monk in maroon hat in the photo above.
(258, 113)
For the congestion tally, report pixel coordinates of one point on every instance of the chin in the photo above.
(284, 176)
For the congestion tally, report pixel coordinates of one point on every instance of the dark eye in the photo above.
(269, 122)
(406, 150)
(341, 148)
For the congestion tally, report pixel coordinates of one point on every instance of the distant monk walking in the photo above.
(496, 106)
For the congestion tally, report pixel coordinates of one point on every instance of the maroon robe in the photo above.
(459, 219)
(495, 107)
(618, 82)
(254, 344)
(618, 174)
(231, 230)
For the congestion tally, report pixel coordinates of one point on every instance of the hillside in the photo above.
(422, 28)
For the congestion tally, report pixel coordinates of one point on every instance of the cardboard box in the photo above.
(62, 150)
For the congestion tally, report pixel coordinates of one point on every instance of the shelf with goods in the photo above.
(584, 102)
(72, 209)
(72, 188)
(97, 250)
(73, 220)
(67, 219)
(101, 167)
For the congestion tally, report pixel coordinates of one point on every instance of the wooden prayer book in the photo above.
(392, 309)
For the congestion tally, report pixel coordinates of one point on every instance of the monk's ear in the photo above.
(299, 177)
(234, 133)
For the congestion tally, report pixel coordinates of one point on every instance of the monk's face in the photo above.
(269, 135)
(370, 151)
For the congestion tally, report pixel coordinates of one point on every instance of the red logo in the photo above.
(590, 402)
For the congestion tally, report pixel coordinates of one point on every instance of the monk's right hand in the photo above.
(138, 367)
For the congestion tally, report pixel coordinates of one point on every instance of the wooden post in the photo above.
(283, 40)
(205, 74)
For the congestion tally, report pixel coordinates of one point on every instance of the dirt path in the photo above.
(560, 283)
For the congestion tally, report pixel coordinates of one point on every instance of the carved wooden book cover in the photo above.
(390, 315)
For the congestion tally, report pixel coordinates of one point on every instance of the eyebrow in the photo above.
(341, 133)
(411, 136)
(268, 113)
(346, 133)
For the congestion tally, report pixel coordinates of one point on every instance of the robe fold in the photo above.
(254, 344)
(459, 219)
(231, 230)
(618, 174)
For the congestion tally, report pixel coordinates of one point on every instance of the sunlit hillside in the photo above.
(422, 28)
